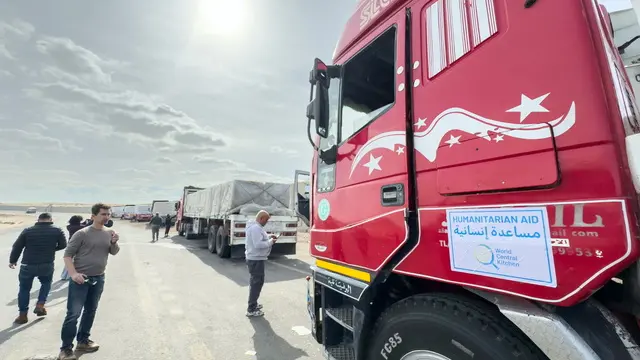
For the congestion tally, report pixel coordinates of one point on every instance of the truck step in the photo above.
(340, 352)
(342, 315)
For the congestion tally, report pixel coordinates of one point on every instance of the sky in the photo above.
(616, 5)
(128, 101)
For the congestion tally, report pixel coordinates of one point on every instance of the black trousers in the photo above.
(256, 280)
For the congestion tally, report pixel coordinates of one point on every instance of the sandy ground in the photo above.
(303, 236)
(8, 221)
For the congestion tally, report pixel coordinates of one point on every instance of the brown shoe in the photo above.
(21, 319)
(40, 310)
(87, 346)
(67, 354)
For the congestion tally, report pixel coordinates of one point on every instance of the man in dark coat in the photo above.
(156, 222)
(40, 243)
(167, 225)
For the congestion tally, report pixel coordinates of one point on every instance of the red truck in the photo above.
(475, 185)
(183, 221)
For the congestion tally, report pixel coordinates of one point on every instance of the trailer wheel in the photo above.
(222, 243)
(188, 232)
(211, 238)
(443, 327)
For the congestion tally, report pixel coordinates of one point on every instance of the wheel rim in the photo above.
(424, 355)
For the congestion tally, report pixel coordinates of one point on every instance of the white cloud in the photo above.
(138, 111)
(21, 139)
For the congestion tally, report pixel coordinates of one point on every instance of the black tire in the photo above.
(180, 230)
(222, 243)
(189, 235)
(211, 239)
(449, 325)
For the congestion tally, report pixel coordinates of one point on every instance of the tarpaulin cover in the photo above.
(240, 197)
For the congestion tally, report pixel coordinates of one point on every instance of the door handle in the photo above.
(392, 195)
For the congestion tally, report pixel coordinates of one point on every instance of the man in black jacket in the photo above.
(40, 243)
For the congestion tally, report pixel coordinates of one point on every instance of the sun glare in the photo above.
(220, 17)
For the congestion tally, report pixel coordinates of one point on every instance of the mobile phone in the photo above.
(89, 281)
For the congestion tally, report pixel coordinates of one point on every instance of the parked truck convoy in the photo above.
(221, 213)
(475, 185)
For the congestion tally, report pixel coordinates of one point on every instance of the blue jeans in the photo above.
(82, 299)
(28, 272)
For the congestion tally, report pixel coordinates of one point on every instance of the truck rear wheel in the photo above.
(211, 238)
(447, 327)
(188, 232)
(222, 243)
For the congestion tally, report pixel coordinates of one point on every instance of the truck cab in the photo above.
(128, 213)
(181, 220)
(475, 184)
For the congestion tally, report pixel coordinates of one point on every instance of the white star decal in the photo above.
(484, 134)
(453, 140)
(528, 106)
(420, 123)
(373, 164)
(400, 150)
(499, 138)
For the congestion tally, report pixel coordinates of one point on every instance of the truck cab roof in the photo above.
(367, 14)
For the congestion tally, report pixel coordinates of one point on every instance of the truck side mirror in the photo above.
(321, 110)
(318, 108)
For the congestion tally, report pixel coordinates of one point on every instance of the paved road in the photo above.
(170, 300)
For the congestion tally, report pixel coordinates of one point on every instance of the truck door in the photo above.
(359, 202)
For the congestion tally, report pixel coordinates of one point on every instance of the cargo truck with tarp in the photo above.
(222, 213)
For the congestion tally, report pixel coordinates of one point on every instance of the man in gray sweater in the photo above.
(86, 261)
(258, 247)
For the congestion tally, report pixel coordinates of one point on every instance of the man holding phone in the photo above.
(86, 260)
(257, 249)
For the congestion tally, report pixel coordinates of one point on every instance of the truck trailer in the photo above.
(475, 185)
(222, 212)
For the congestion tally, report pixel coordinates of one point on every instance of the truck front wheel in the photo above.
(447, 327)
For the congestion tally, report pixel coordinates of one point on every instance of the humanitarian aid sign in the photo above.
(511, 244)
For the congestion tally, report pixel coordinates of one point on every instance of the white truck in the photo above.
(117, 211)
(222, 212)
(164, 208)
(129, 212)
(142, 213)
